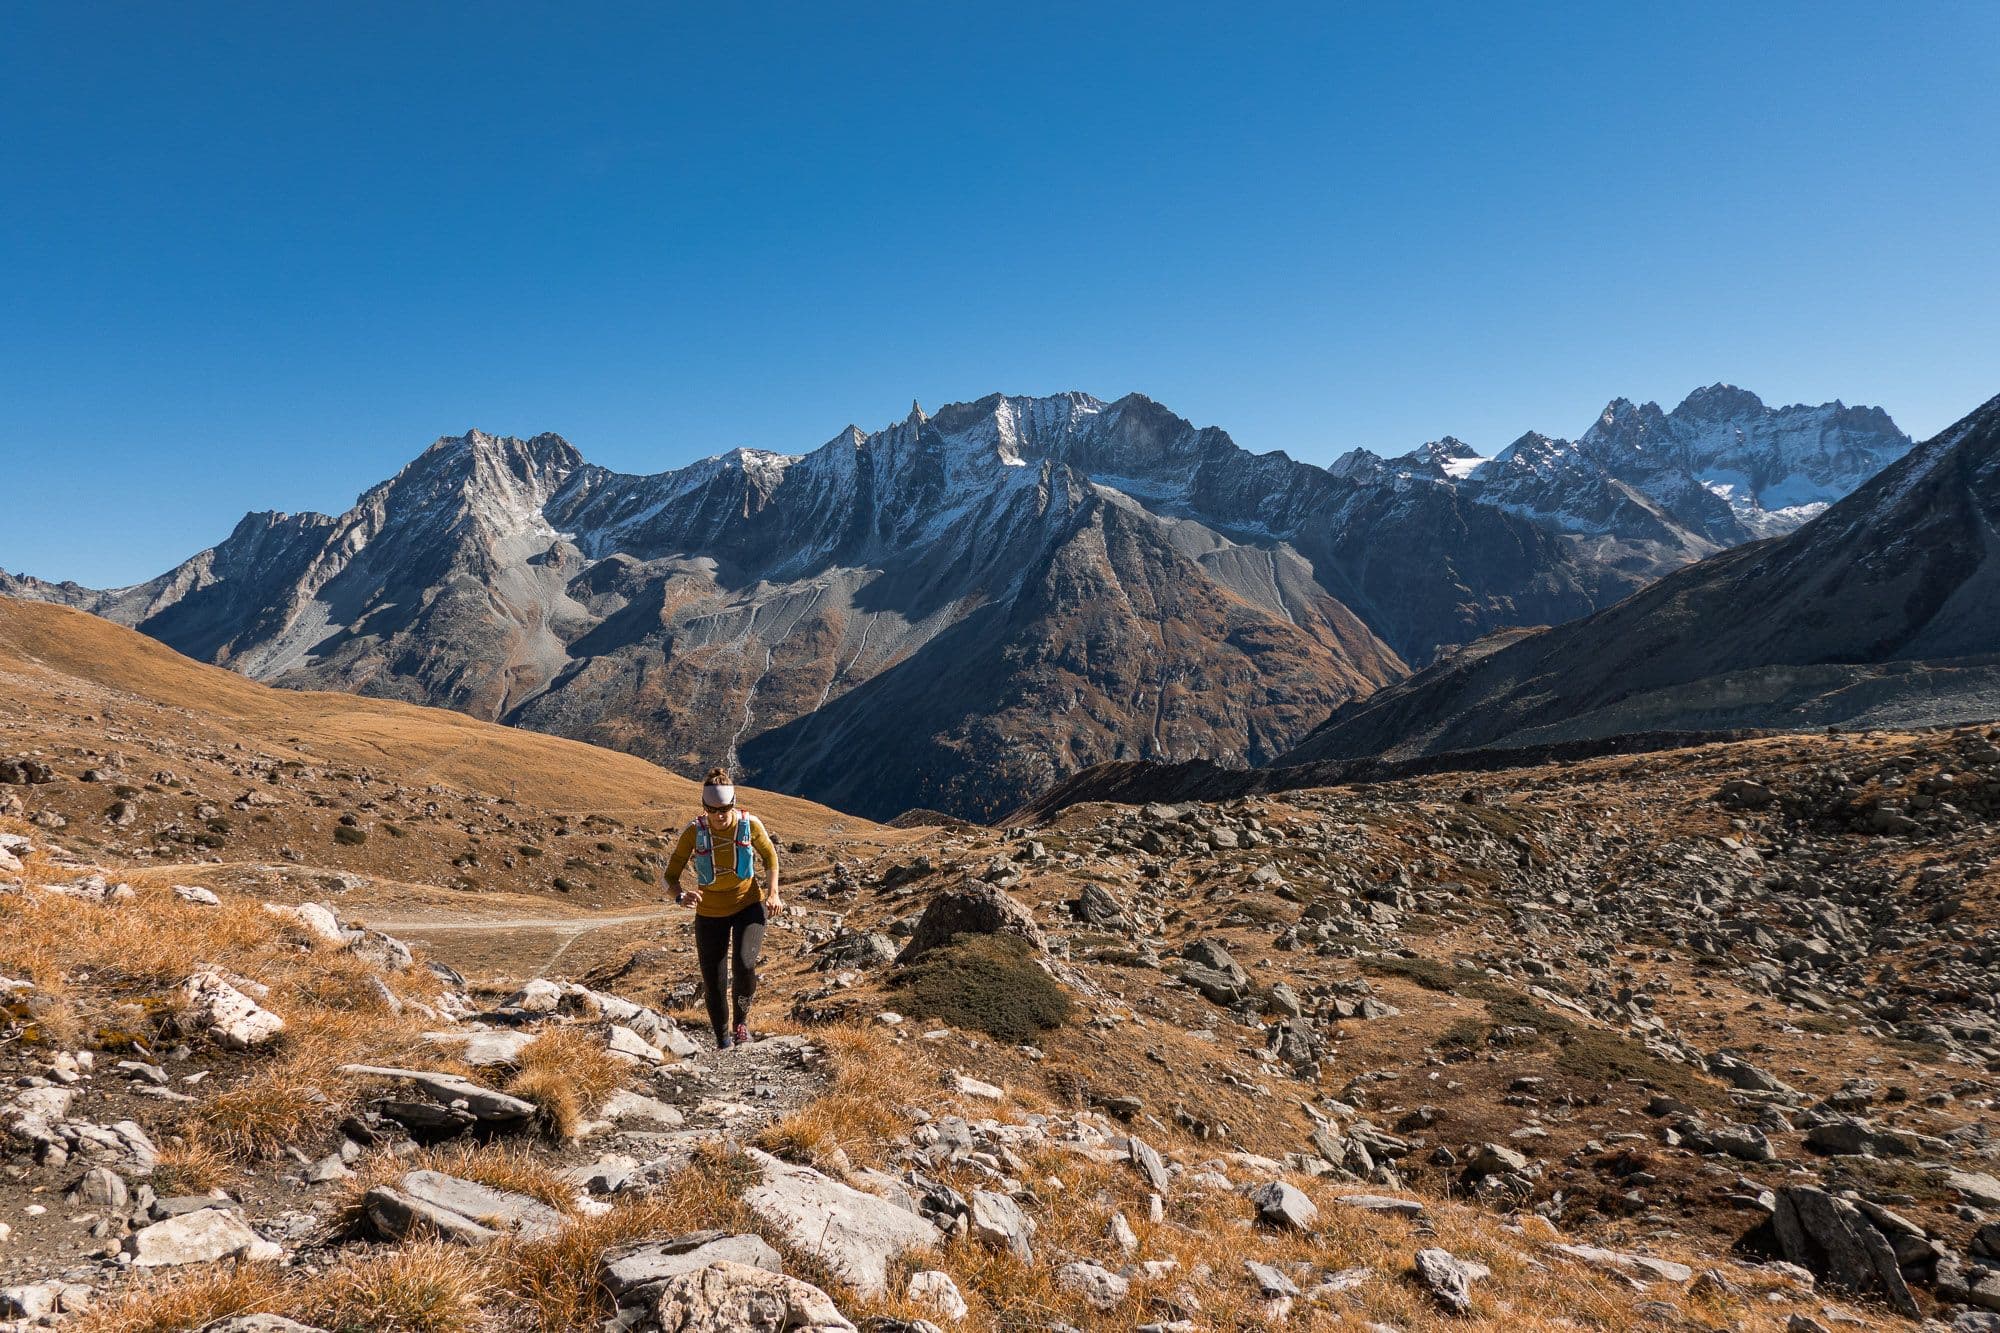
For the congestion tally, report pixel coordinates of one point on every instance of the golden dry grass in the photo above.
(189, 1166)
(177, 1302)
(421, 1287)
(554, 1281)
(567, 1073)
(856, 1115)
(107, 977)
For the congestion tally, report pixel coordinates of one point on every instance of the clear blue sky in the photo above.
(258, 256)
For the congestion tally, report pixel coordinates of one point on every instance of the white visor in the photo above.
(718, 796)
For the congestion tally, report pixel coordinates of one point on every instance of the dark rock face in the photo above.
(1829, 1236)
(1885, 610)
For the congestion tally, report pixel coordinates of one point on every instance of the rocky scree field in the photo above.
(1695, 1040)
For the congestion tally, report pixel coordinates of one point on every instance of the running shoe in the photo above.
(742, 1034)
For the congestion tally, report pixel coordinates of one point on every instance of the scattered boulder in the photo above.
(1284, 1206)
(737, 1298)
(462, 1211)
(1101, 1288)
(633, 1273)
(228, 1015)
(1448, 1278)
(1830, 1237)
(198, 1237)
(971, 908)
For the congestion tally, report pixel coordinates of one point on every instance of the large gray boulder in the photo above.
(736, 1298)
(462, 1211)
(855, 1235)
(1831, 1237)
(971, 908)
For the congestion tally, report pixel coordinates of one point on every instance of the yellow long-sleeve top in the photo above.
(728, 895)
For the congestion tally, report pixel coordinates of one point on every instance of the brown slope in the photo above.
(50, 653)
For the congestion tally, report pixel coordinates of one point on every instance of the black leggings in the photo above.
(724, 945)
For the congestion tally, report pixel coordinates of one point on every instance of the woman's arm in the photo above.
(767, 851)
(677, 866)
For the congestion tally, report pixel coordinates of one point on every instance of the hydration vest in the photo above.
(704, 850)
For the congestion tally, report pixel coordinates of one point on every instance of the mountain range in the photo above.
(1883, 611)
(963, 607)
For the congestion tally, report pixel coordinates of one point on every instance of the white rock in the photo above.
(735, 1298)
(200, 1237)
(540, 996)
(194, 893)
(854, 1234)
(30, 1301)
(1644, 1265)
(624, 1042)
(998, 1221)
(625, 1105)
(1282, 1205)
(972, 1087)
(231, 1017)
(315, 919)
(935, 1289)
(484, 1048)
(1100, 1287)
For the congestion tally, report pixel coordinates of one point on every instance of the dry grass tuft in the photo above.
(187, 1300)
(425, 1287)
(856, 1117)
(555, 1280)
(190, 1166)
(568, 1074)
(299, 1095)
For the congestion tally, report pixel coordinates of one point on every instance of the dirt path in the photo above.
(575, 922)
(532, 944)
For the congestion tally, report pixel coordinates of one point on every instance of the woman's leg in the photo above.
(711, 951)
(749, 931)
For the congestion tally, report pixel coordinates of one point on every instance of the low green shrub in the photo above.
(986, 983)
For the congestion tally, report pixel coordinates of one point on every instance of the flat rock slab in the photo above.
(1631, 1265)
(463, 1211)
(629, 1269)
(199, 1237)
(1383, 1203)
(484, 1050)
(856, 1235)
(482, 1102)
(626, 1105)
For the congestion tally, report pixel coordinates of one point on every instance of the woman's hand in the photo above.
(689, 897)
(774, 904)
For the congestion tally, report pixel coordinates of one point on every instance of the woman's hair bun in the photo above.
(717, 777)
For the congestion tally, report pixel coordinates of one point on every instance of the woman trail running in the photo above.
(730, 908)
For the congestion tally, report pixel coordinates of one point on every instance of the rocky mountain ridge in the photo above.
(1882, 611)
(952, 612)
(1650, 490)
